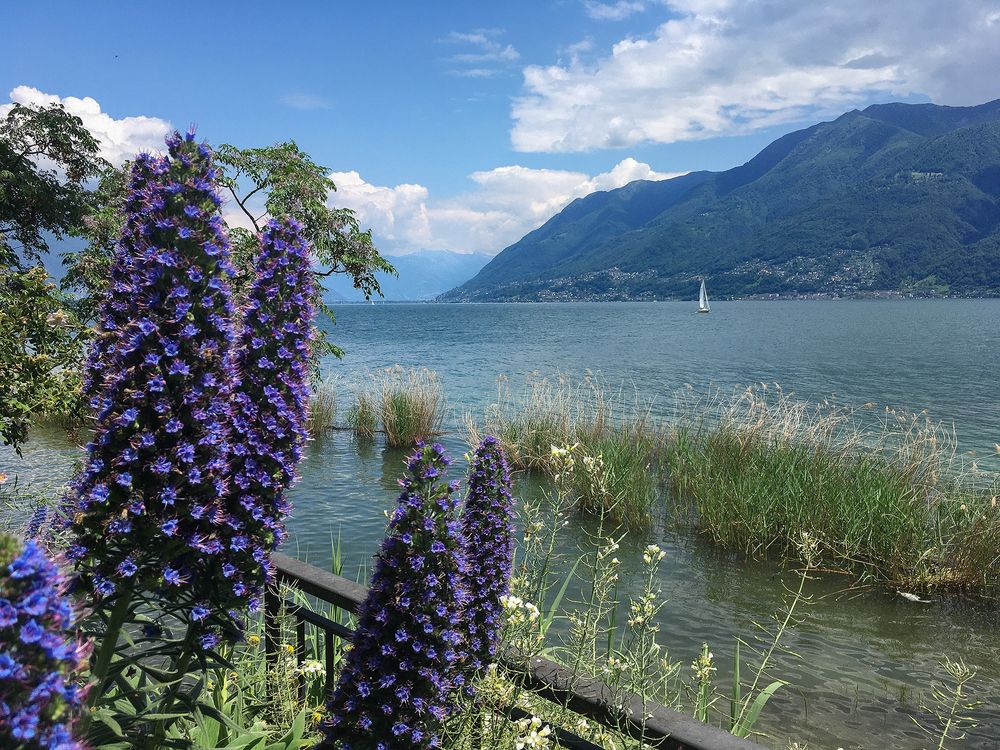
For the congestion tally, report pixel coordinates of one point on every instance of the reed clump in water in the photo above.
(407, 405)
(883, 491)
(362, 416)
(611, 432)
(322, 407)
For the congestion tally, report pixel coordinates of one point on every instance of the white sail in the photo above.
(703, 299)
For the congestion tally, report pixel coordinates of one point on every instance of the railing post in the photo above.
(300, 654)
(272, 625)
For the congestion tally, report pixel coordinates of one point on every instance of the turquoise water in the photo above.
(865, 659)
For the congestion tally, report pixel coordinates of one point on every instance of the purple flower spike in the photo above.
(400, 678)
(40, 659)
(270, 409)
(160, 446)
(117, 309)
(487, 524)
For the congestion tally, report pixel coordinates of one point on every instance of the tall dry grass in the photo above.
(406, 404)
(322, 407)
(612, 426)
(882, 490)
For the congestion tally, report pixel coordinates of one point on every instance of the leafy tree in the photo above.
(88, 271)
(41, 343)
(293, 185)
(46, 156)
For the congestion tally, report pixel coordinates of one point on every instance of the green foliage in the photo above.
(46, 155)
(362, 416)
(292, 184)
(752, 471)
(846, 207)
(35, 199)
(88, 271)
(41, 345)
(407, 404)
(610, 432)
(880, 491)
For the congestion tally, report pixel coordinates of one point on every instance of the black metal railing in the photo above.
(589, 697)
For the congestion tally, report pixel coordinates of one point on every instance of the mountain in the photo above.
(897, 197)
(423, 275)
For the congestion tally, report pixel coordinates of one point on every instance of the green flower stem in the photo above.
(170, 697)
(105, 654)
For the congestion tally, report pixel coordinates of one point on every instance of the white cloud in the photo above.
(723, 67)
(305, 101)
(120, 139)
(485, 54)
(616, 11)
(505, 204)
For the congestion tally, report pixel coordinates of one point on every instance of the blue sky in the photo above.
(462, 125)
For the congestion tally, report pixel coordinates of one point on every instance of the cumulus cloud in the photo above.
(723, 67)
(120, 139)
(505, 204)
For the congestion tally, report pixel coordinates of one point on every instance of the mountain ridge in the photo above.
(896, 197)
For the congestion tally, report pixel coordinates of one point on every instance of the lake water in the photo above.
(865, 661)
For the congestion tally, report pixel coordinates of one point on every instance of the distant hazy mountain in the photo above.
(902, 197)
(423, 275)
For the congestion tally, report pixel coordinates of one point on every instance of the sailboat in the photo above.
(703, 299)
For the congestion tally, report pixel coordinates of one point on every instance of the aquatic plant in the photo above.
(406, 403)
(881, 492)
(410, 405)
(323, 407)
(40, 657)
(271, 396)
(488, 529)
(396, 687)
(362, 416)
(614, 425)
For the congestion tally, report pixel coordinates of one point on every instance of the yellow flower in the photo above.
(254, 641)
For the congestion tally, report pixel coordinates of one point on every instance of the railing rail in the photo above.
(643, 720)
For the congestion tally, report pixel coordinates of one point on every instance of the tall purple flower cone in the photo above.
(487, 524)
(117, 308)
(271, 399)
(40, 659)
(148, 510)
(399, 681)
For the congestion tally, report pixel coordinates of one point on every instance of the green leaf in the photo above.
(105, 717)
(753, 713)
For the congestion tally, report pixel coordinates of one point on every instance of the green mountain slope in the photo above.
(896, 197)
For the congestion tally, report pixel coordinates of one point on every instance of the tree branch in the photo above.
(244, 208)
